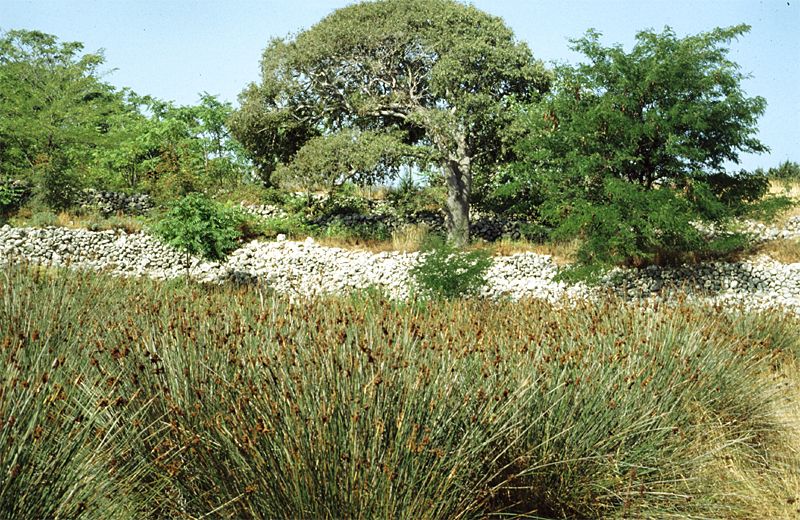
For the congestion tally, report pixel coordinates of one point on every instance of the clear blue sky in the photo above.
(175, 49)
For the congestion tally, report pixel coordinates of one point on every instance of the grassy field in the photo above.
(133, 399)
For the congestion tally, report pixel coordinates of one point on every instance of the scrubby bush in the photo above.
(44, 218)
(199, 226)
(356, 232)
(446, 272)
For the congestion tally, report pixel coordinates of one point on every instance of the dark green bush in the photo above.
(13, 194)
(627, 151)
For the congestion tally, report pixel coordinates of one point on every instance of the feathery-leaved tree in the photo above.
(437, 77)
(54, 112)
(629, 150)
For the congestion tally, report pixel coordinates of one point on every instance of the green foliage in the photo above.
(437, 75)
(785, 171)
(328, 162)
(199, 226)
(172, 150)
(133, 399)
(446, 272)
(63, 129)
(13, 194)
(54, 113)
(628, 151)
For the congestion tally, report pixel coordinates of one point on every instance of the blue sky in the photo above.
(175, 49)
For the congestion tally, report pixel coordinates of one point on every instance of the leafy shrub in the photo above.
(13, 194)
(346, 200)
(446, 272)
(199, 226)
(293, 226)
(274, 196)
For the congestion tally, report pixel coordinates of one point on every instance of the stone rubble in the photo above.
(110, 202)
(306, 268)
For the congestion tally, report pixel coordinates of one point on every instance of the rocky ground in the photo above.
(308, 268)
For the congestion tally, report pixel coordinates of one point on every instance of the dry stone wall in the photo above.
(307, 268)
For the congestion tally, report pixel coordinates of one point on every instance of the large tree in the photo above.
(629, 150)
(435, 74)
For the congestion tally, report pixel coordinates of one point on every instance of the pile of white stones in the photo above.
(307, 268)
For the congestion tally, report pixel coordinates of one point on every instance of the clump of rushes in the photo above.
(236, 405)
(63, 453)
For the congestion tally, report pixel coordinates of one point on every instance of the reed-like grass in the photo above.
(233, 403)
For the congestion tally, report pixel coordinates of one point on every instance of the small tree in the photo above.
(629, 150)
(199, 226)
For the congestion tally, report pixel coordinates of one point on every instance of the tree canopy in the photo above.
(630, 148)
(63, 128)
(434, 74)
(54, 111)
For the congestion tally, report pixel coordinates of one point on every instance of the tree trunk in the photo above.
(458, 177)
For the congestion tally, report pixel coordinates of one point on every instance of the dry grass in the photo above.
(562, 252)
(409, 238)
(768, 485)
(70, 220)
(790, 189)
(784, 250)
(355, 244)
